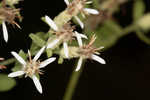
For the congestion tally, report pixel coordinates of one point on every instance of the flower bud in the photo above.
(144, 22)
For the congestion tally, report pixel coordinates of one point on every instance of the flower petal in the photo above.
(79, 22)
(53, 43)
(5, 32)
(39, 54)
(37, 83)
(51, 23)
(89, 2)
(46, 62)
(91, 11)
(98, 59)
(67, 2)
(79, 64)
(78, 38)
(83, 36)
(15, 74)
(20, 59)
(66, 51)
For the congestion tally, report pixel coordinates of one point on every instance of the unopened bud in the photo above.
(144, 22)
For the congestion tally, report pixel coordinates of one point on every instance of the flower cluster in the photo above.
(63, 35)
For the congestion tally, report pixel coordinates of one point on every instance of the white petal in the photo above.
(79, 22)
(37, 83)
(67, 2)
(53, 43)
(83, 36)
(78, 38)
(51, 23)
(66, 51)
(15, 74)
(46, 62)
(20, 59)
(91, 11)
(79, 64)
(89, 2)
(5, 32)
(98, 59)
(39, 54)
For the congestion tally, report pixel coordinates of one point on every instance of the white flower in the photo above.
(83, 10)
(65, 34)
(89, 52)
(32, 67)
(5, 32)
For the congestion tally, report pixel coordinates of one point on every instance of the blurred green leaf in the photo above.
(60, 60)
(37, 40)
(138, 9)
(107, 34)
(49, 52)
(6, 83)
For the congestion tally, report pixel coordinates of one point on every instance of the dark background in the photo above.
(126, 76)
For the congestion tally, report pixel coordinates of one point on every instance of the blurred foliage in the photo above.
(6, 83)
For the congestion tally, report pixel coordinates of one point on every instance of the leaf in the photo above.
(6, 83)
(49, 52)
(60, 60)
(138, 9)
(107, 34)
(18, 66)
(37, 40)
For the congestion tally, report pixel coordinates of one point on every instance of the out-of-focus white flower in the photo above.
(32, 67)
(64, 34)
(80, 5)
(89, 52)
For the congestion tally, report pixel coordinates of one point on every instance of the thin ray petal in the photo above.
(15, 74)
(98, 59)
(37, 83)
(91, 11)
(79, 22)
(39, 54)
(53, 43)
(20, 59)
(67, 2)
(46, 62)
(5, 32)
(78, 38)
(79, 64)
(51, 23)
(66, 51)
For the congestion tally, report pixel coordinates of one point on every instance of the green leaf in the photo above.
(6, 83)
(18, 66)
(138, 9)
(37, 40)
(60, 60)
(49, 52)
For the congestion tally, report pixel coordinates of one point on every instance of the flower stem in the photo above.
(73, 83)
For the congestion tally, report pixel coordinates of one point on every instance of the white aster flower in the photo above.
(64, 34)
(32, 67)
(80, 5)
(89, 52)
(12, 13)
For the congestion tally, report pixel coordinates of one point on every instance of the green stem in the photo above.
(72, 83)
(8, 61)
(143, 37)
(129, 29)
